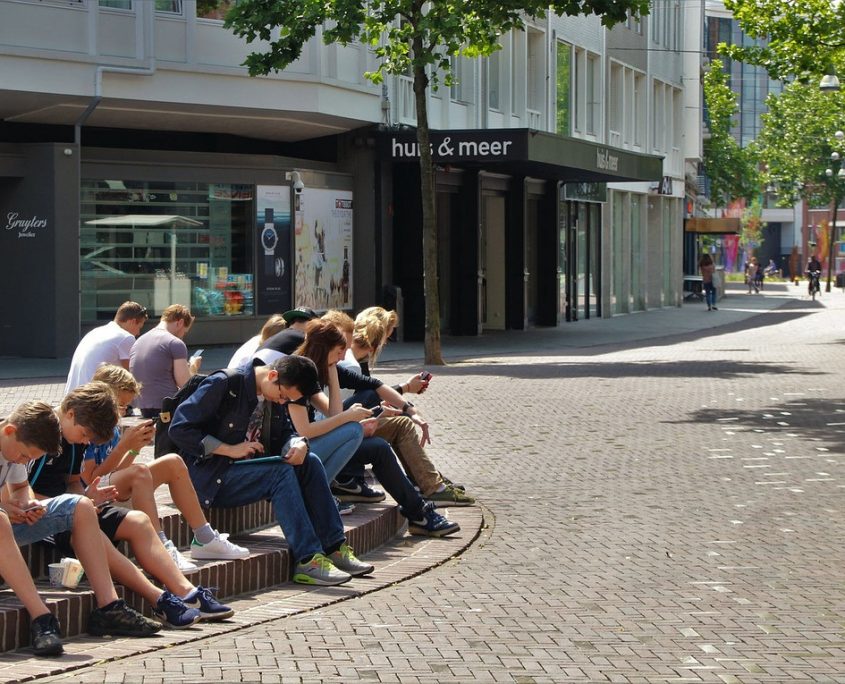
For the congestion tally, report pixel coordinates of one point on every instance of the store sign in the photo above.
(451, 146)
(585, 192)
(665, 187)
(24, 225)
(605, 161)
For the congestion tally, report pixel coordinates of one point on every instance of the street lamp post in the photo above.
(836, 160)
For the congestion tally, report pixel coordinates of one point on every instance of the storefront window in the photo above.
(617, 300)
(162, 243)
(637, 261)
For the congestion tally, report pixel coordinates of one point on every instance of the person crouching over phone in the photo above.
(114, 463)
(89, 414)
(227, 429)
(31, 430)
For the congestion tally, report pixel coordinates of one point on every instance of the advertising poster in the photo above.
(272, 230)
(323, 245)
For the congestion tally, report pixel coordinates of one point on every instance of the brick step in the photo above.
(269, 564)
(235, 521)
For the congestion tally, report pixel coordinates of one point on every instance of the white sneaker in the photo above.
(182, 563)
(219, 548)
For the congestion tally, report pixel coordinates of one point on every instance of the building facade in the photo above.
(138, 160)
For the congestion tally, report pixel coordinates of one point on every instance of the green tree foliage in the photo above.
(409, 37)
(752, 225)
(796, 142)
(732, 170)
(800, 39)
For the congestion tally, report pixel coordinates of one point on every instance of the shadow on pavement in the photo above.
(639, 369)
(812, 418)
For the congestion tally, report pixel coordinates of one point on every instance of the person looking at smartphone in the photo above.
(369, 333)
(114, 463)
(228, 419)
(29, 431)
(88, 415)
(325, 345)
(159, 359)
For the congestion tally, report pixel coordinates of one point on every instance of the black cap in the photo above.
(302, 313)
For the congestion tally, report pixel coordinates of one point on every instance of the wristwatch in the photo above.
(407, 405)
(269, 240)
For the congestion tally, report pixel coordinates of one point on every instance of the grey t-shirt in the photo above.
(151, 362)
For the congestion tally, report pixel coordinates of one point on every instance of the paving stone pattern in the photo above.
(663, 511)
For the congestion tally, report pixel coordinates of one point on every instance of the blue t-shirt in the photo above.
(100, 452)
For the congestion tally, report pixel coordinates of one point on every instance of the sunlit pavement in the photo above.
(658, 510)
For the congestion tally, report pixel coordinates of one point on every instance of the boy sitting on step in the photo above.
(114, 463)
(30, 430)
(89, 414)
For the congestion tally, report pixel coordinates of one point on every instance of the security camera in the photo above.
(298, 186)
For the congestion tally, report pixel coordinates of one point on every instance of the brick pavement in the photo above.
(657, 512)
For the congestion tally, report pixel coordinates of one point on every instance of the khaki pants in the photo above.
(401, 433)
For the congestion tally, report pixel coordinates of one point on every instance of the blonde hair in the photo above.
(118, 378)
(341, 319)
(388, 320)
(369, 333)
(275, 324)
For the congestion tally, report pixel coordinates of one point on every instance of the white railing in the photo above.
(406, 100)
(615, 138)
(534, 119)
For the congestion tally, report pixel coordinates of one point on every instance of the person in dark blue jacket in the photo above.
(223, 433)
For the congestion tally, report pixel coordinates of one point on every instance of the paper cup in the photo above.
(57, 573)
(72, 572)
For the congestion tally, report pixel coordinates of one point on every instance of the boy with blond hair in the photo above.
(90, 414)
(114, 463)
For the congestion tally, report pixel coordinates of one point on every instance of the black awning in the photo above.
(523, 151)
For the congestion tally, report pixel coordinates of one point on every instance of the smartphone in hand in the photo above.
(33, 507)
(198, 352)
(377, 411)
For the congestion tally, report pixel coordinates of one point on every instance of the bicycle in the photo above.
(814, 286)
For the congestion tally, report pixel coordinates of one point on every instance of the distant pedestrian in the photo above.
(159, 359)
(751, 270)
(109, 343)
(707, 268)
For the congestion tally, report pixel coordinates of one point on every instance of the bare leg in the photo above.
(14, 570)
(151, 554)
(125, 571)
(136, 483)
(88, 544)
(172, 471)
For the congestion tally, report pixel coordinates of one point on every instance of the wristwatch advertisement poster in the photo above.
(273, 233)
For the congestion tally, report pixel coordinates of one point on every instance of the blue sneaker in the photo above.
(210, 609)
(431, 523)
(172, 612)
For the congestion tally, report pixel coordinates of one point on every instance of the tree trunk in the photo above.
(433, 354)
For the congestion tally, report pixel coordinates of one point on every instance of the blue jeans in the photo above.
(335, 448)
(710, 294)
(378, 453)
(57, 518)
(368, 399)
(301, 498)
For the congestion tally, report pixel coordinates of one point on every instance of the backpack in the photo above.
(163, 443)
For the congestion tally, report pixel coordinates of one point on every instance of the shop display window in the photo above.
(162, 243)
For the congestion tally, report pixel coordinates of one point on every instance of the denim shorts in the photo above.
(58, 518)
